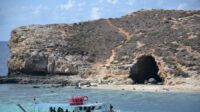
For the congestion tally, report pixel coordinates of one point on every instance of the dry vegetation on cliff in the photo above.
(106, 49)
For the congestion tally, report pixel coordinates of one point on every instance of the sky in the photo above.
(15, 13)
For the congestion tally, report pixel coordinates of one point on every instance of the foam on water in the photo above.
(126, 101)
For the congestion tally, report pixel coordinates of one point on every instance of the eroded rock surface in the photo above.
(107, 48)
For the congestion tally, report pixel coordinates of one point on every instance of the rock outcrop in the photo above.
(106, 49)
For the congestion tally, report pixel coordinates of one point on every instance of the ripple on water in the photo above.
(126, 101)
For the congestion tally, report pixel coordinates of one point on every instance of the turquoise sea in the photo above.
(126, 101)
(4, 53)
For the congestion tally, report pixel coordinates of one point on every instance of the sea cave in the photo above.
(144, 69)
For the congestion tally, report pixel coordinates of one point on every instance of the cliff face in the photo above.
(107, 48)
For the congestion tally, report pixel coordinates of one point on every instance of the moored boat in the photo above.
(75, 104)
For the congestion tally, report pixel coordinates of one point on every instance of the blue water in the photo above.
(4, 53)
(126, 101)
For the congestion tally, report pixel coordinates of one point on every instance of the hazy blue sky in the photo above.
(15, 13)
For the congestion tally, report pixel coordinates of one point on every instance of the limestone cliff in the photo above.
(107, 48)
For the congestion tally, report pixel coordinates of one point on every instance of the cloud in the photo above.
(112, 1)
(95, 13)
(38, 9)
(67, 6)
(81, 4)
(61, 10)
(182, 6)
(130, 2)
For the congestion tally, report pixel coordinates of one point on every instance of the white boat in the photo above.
(71, 107)
(62, 107)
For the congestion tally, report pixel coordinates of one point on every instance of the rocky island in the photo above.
(147, 46)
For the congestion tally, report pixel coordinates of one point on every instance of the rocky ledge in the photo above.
(147, 46)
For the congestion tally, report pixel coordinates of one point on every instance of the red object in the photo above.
(77, 100)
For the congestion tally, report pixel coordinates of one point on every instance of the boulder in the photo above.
(152, 81)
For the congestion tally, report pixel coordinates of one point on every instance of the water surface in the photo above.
(4, 53)
(126, 101)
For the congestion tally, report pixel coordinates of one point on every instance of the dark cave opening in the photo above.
(144, 69)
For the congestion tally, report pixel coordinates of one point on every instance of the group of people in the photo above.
(110, 109)
(53, 109)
